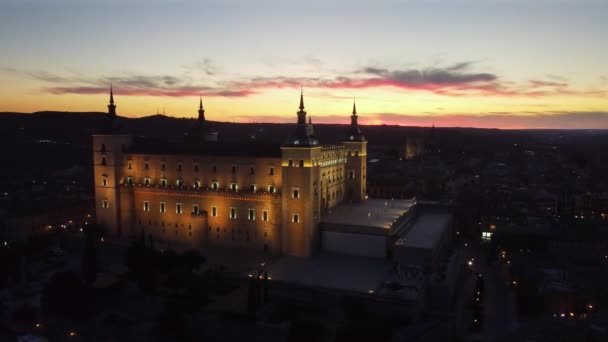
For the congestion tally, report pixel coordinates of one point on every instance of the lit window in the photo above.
(179, 182)
(163, 181)
(146, 181)
(265, 215)
(197, 184)
(351, 174)
(163, 166)
(232, 213)
(295, 218)
(290, 162)
(178, 208)
(195, 209)
(130, 180)
(213, 211)
(272, 171)
(251, 215)
(104, 204)
(129, 166)
(162, 207)
(252, 188)
(146, 206)
(233, 187)
(271, 189)
(215, 185)
(146, 166)
(104, 181)
(486, 235)
(295, 192)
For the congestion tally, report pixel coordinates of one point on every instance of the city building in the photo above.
(204, 192)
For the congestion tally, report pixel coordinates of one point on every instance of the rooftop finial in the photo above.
(354, 107)
(302, 98)
(111, 105)
(201, 104)
(111, 94)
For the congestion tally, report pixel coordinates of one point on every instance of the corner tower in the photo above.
(300, 200)
(356, 160)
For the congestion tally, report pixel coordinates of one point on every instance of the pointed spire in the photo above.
(310, 120)
(111, 105)
(302, 99)
(201, 103)
(201, 111)
(111, 94)
(354, 107)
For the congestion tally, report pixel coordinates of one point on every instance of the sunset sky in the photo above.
(490, 63)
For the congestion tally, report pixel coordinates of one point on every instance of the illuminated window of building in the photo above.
(179, 182)
(252, 170)
(195, 209)
(351, 174)
(271, 189)
(103, 160)
(197, 184)
(232, 213)
(265, 215)
(129, 166)
(163, 166)
(146, 165)
(146, 206)
(356, 153)
(146, 181)
(301, 163)
(179, 167)
(272, 171)
(252, 188)
(233, 186)
(178, 208)
(129, 180)
(162, 207)
(214, 211)
(290, 163)
(486, 236)
(104, 181)
(251, 215)
(295, 192)
(215, 185)
(163, 181)
(295, 218)
(195, 167)
(104, 204)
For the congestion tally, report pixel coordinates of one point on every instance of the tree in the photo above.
(65, 295)
(89, 260)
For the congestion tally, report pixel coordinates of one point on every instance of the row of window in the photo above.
(196, 184)
(196, 168)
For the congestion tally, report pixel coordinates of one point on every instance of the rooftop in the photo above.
(378, 213)
(426, 231)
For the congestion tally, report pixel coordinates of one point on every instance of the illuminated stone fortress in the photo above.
(203, 192)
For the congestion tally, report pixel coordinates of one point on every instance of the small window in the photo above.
(265, 215)
(215, 185)
(234, 187)
(296, 192)
(146, 206)
(195, 167)
(252, 170)
(129, 166)
(197, 184)
(252, 188)
(351, 174)
(214, 168)
(179, 183)
(103, 147)
(233, 169)
(146, 165)
(272, 171)
(295, 218)
(104, 181)
(301, 163)
(213, 211)
(195, 209)
(130, 180)
(178, 208)
(163, 166)
(147, 181)
(251, 215)
(179, 167)
(103, 160)
(271, 189)
(162, 207)
(232, 213)
(104, 204)
(163, 181)
(290, 162)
